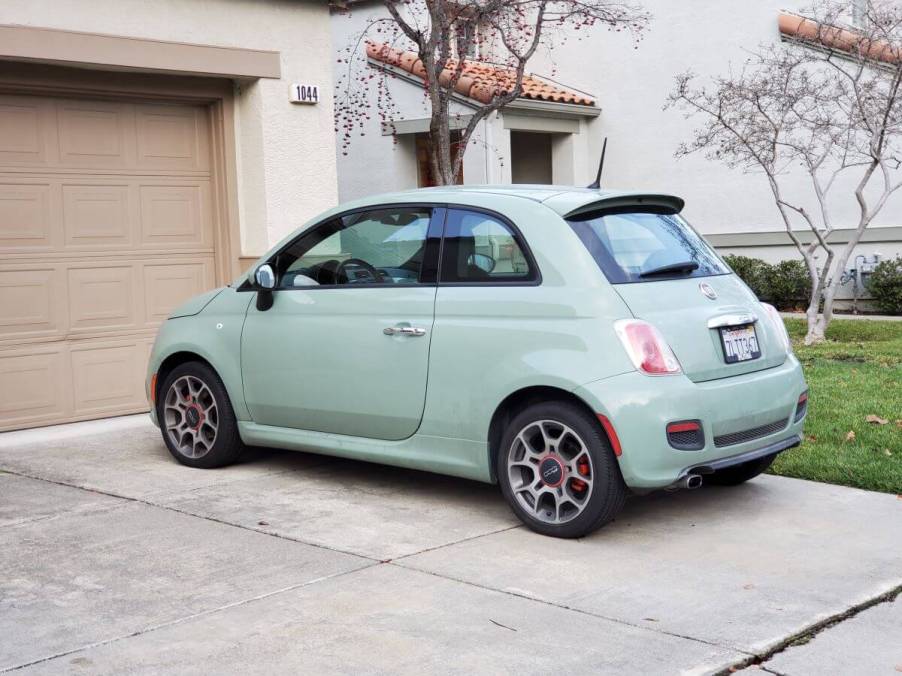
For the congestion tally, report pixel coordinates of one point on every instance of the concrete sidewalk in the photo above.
(868, 643)
(115, 559)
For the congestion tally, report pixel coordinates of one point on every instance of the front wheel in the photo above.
(196, 417)
(557, 471)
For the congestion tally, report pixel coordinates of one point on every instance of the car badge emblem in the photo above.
(706, 289)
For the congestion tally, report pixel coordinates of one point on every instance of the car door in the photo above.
(344, 347)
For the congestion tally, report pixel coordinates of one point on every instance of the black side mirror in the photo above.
(265, 281)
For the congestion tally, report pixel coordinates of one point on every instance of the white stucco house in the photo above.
(609, 89)
(148, 151)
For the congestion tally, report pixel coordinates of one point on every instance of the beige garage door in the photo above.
(106, 224)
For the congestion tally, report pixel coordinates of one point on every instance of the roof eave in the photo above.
(522, 104)
(556, 107)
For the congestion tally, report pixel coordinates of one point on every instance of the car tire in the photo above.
(733, 476)
(583, 488)
(196, 417)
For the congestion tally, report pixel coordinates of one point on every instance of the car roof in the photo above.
(564, 200)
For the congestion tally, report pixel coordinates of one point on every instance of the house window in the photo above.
(474, 47)
(423, 145)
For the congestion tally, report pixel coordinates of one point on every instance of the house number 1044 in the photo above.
(304, 93)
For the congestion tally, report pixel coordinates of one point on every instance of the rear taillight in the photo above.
(777, 321)
(647, 348)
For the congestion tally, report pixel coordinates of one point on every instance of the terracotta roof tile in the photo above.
(479, 80)
(833, 37)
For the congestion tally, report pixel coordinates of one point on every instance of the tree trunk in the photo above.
(815, 333)
(440, 142)
(817, 328)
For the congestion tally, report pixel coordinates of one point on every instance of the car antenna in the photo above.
(596, 185)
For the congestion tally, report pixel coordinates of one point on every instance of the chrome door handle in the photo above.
(404, 331)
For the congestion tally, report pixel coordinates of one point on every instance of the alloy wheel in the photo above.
(190, 416)
(550, 471)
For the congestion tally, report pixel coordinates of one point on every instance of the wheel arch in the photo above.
(520, 399)
(173, 361)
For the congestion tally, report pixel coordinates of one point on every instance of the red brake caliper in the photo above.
(582, 466)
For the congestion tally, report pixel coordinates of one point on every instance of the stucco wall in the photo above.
(286, 152)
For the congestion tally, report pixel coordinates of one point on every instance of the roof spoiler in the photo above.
(660, 203)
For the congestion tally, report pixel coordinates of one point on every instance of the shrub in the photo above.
(885, 285)
(790, 285)
(786, 285)
(752, 271)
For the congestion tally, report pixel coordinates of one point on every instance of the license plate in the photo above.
(740, 343)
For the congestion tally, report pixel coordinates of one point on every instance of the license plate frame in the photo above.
(736, 352)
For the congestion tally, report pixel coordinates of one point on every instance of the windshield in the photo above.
(645, 247)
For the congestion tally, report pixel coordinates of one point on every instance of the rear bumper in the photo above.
(722, 463)
(640, 407)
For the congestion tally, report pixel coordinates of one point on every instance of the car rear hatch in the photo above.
(670, 277)
(694, 325)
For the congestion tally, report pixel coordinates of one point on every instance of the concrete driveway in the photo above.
(115, 559)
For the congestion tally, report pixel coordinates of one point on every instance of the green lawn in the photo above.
(857, 373)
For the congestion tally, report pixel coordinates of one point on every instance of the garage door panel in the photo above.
(33, 387)
(168, 285)
(94, 134)
(103, 376)
(97, 216)
(23, 138)
(26, 212)
(172, 137)
(30, 302)
(102, 297)
(175, 215)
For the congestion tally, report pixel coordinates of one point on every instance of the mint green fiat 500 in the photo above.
(572, 345)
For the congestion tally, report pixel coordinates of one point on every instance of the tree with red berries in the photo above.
(442, 33)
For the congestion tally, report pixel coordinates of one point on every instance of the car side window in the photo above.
(480, 248)
(379, 247)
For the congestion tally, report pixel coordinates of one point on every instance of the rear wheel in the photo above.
(196, 417)
(558, 472)
(733, 476)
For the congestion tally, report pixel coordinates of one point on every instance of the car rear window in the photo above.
(637, 246)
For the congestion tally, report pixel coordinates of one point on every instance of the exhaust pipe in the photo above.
(690, 482)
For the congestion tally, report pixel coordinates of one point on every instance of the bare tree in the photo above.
(827, 101)
(442, 33)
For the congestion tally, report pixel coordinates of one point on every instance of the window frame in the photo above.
(535, 278)
(435, 249)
